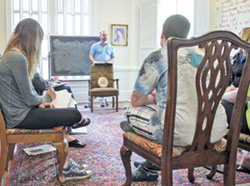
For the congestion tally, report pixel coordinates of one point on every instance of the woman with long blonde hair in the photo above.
(22, 107)
(27, 39)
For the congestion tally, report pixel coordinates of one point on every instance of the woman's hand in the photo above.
(51, 92)
(46, 105)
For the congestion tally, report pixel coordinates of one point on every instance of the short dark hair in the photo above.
(176, 26)
(100, 34)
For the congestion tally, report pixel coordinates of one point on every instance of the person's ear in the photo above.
(163, 40)
(162, 35)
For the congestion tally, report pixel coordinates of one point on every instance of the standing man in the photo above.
(102, 51)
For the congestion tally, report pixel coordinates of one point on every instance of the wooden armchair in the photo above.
(212, 77)
(101, 83)
(9, 137)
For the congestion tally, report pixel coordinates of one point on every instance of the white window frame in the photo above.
(52, 19)
(165, 10)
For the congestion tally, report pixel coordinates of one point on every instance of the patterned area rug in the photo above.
(102, 154)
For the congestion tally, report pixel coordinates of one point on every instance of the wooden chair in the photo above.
(215, 67)
(101, 83)
(10, 137)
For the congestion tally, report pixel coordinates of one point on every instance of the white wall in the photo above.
(3, 36)
(201, 17)
(119, 12)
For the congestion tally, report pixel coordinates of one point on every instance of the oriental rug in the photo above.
(102, 154)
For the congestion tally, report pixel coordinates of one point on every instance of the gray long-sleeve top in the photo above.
(17, 94)
(40, 84)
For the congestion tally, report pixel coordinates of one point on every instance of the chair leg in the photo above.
(125, 155)
(3, 160)
(11, 148)
(113, 102)
(116, 103)
(229, 174)
(10, 154)
(191, 175)
(166, 173)
(62, 151)
(91, 103)
(212, 172)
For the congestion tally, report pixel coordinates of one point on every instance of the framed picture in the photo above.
(119, 35)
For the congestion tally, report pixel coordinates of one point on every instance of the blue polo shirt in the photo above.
(102, 53)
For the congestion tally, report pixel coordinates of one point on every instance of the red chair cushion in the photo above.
(156, 148)
(28, 131)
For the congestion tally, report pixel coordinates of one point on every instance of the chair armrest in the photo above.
(89, 86)
(117, 83)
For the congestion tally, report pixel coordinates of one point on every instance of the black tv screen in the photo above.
(69, 55)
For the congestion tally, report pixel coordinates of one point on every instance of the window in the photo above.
(169, 7)
(57, 17)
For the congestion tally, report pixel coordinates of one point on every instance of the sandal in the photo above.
(83, 123)
(76, 143)
(242, 168)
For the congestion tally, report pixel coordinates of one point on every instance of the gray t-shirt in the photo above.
(17, 94)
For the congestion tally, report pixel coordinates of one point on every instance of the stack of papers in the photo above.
(64, 100)
(41, 149)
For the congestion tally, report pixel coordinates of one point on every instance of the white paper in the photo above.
(32, 151)
(81, 130)
(72, 103)
(99, 62)
(63, 100)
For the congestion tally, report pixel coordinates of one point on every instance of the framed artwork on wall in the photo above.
(119, 35)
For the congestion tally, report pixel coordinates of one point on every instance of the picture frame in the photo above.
(119, 35)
